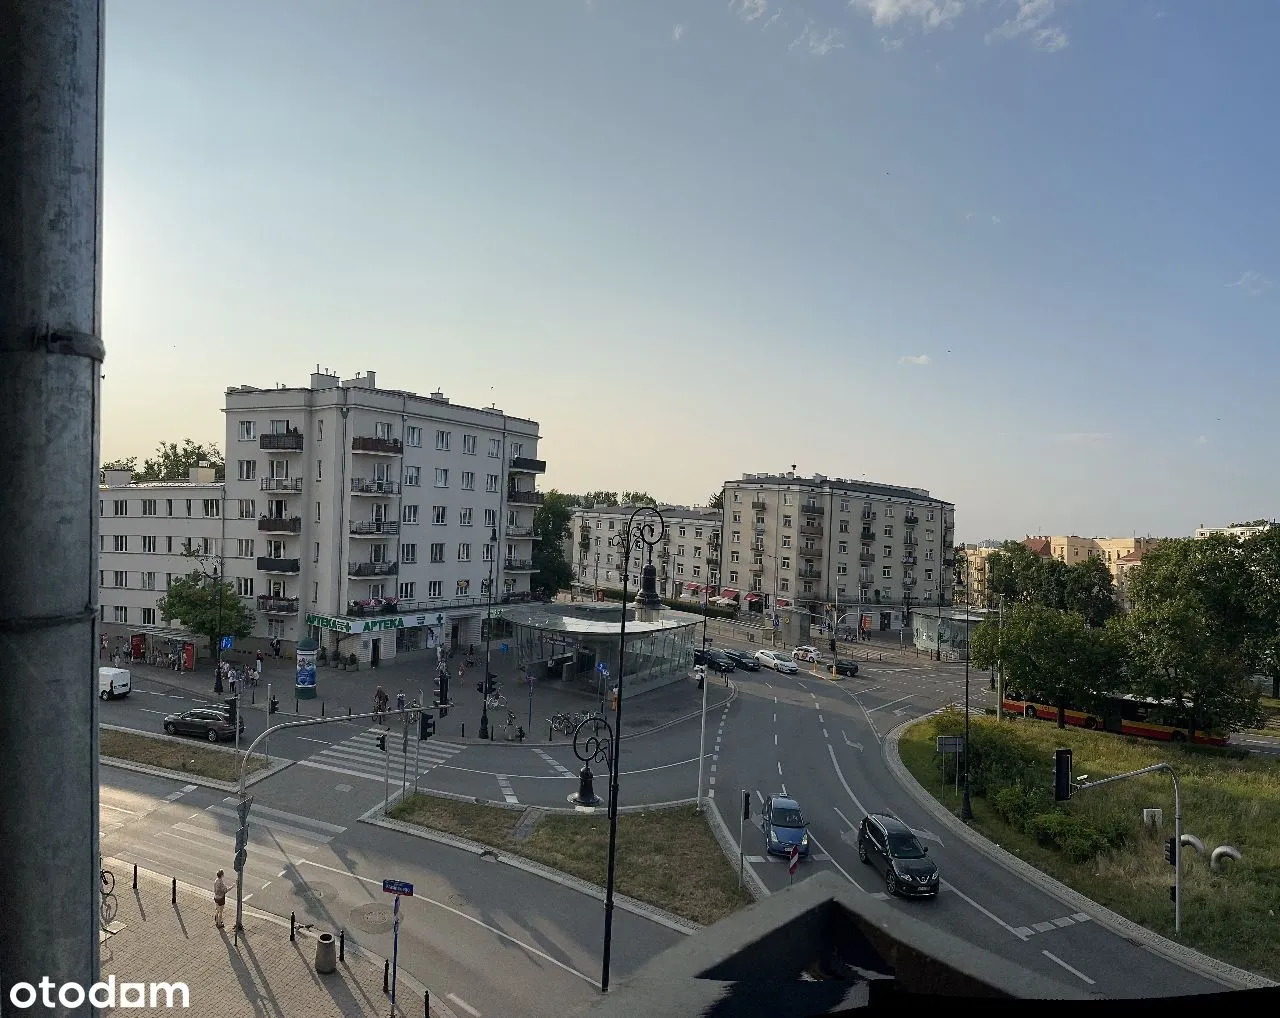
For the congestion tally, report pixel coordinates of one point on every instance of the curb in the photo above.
(520, 807)
(363, 953)
(755, 884)
(1202, 964)
(188, 777)
(638, 908)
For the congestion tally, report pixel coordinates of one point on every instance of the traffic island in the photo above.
(1099, 843)
(180, 757)
(667, 858)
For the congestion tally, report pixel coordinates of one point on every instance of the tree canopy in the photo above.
(207, 607)
(638, 498)
(173, 462)
(1027, 578)
(716, 501)
(551, 524)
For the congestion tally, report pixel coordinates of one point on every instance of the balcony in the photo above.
(758, 505)
(280, 524)
(866, 558)
(759, 528)
(372, 528)
(281, 484)
(810, 553)
(713, 561)
(277, 565)
(518, 532)
(376, 446)
(810, 530)
(373, 568)
(813, 510)
(519, 565)
(908, 560)
(865, 578)
(527, 465)
(910, 540)
(290, 441)
(277, 605)
(756, 568)
(908, 582)
(810, 574)
(911, 519)
(363, 486)
(867, 535)
(868, 516)
(524, 497)
(949, 561)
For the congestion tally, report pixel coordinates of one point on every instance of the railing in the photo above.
(515, 532)
(865, 579)
(362, 486)
(373, 527)
(373, 568)
(442, 604)
(528, 464)
(289, 442)
(810, 574)
(813, 510)
(524, 497)
(277, 605)
(911, 519)
(519, 565)
(757, 568)
(759, 505)
(910, 541)
(383, 446)
(281, 484)
(810, 530)
(810, 553)
(908, 581)
(866, 558)
(280, 524)
(908, 560)
(713, 560)
(759, 528)
(277, 565)
(867, 535)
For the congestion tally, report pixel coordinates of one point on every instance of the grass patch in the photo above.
(667, 858)
(1096, 843)
(175, 756)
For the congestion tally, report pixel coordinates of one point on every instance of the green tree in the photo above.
(173, 462)
(128, 463)
(207, 607)
(600, 498)
(1262, 564)
(638, 498)
(1089, 590)
(716, 501)
(551, 524)
(1014, 572)
(1191, 636)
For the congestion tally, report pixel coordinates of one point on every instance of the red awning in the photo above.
(753, 597)
(782, 602)
(693, 587)
(727, 592)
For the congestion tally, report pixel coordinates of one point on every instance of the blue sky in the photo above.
(1018, 252)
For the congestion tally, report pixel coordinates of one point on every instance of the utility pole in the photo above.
(50, 399)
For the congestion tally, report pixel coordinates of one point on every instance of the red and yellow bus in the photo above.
(1124, 714)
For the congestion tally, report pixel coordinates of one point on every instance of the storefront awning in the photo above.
(728, 593)
(753, 597)
(692, 588)
(782, 602)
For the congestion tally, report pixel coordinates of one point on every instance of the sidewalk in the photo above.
(153, 940)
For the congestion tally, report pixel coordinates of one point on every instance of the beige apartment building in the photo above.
(821, 541)
(976, 558)
(1073, 549)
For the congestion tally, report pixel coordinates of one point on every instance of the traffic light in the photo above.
(242, 809)
(426, 725)
(1173, 893)
(746, 805)
(1062, 775)
(833, 645)
(273, 705)
(1171, 852)
(382, 742)
(233, 704)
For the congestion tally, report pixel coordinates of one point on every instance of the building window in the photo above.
(315, 553)
(928, 574)
(680, 550)
(464, 552)
(413, 436)
(841, 568)
(409, 514)
(786, 521)
(247, 508)
(844, 505)
(928, 554)
(929, 516)
(733, 556)
(888, 511)
(437, 552)
(682, 531)
(679, 568)
(697, 531)
(843, 546)
(407, 590)
(737, 496)
(188, 508)
(248, 431)
(736, 537)
(697, 551)
(120, 507)
(491, 518)
(491, 482)
(439, 515)
(119, 614)
(733, 576)
(785, 563)
(468, 445)
(168, 503)
(149, 545)
(434, 588)
(247, 470)
(382, 429)
(148, 507)
(244, 547)
(486, 552)
(442, 441)
(888, 530)
(888, 551)
(148, 581)
(697, 571)
(317, 512)
(784, 585)
(886, 572)
(244, 586)
(119, 543)
(409, 554)
(737, 517)
(121, 579)
(412, 477)
(464, 517)
(442, 477)
(468, 480)
(786, 542)
(148, 616)
(495, 448)
(928, 535)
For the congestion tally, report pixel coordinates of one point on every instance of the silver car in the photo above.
(778, 662)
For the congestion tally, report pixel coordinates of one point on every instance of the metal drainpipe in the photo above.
(343, 502)
(50, 334)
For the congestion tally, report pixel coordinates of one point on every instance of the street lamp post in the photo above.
(488, 638)
(637, 535)
(966, 807)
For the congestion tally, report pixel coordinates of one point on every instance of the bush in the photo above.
(1076, 837)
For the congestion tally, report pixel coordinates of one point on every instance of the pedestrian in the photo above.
(400, 700)
(257, 669)
(102, 647)
(233, 680)
(219, 899)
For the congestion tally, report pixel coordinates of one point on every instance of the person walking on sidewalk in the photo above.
(379, 705)
(400, 700)
(219, 899)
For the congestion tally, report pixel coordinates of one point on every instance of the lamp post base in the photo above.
(585, 795)
(484, 727)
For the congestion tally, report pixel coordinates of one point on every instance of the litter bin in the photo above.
(326, 954)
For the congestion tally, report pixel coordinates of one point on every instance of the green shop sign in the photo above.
(358, 626)
(378, 625)
(324, 622)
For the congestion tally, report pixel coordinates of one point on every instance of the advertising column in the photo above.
(305, 683)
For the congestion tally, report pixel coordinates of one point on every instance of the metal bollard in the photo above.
(342, 945)
(322, 708)
(550, 732)
(173, 897)
(426, 1003)
(293, 926)
(135, 876)
(295, 705)
(348, 712)
(386, 977)
(464, 729)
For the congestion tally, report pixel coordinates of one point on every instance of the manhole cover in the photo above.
(319, 891)
(342, 788)
(372, 918)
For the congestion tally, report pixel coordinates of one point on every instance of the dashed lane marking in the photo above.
(1074, 971)
(555, 764)
(508, 793)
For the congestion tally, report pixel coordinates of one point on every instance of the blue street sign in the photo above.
(225, 642)
(504, 648)
(398, 887)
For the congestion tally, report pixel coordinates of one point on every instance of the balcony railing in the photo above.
(867, 535)
(757, 568)
(517, 532)
(949, 561)
(866, 558)
(864, 579)
(810, 553)
(910, 540)
(363, 486)
(518, 565)
(713, 561)
(759, 505)
(810, 574)
(524, 497)
(528, 465)
(810, 530)
(280, 524)
(911, 519)
(373, 568)
(361, 528)
(277, 605)
(378, 446)
(908, 581)
(908, 560)
(281, 484)
(759, 528)
(290, 441)
(277, 565)
(813, 510)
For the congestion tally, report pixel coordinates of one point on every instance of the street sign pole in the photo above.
(395, 953)
(386, 777)
(417, 753)
(742, 824)
(529, 678)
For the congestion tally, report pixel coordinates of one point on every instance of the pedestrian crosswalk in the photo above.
(360, 757)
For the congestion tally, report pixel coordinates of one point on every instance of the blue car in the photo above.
(784, 825)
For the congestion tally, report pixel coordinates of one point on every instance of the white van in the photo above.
(113, 682)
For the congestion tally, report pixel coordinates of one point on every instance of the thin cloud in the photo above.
(919, 359)
(930, 13)
(1253, 283)
(1203, 440)
(889, 45)
(1083, 437)
(817, 42)
(677, 33)
(1030, 21)
(995, 219)
(749, 10)
(772, 18)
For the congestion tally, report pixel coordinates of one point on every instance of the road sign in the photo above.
(504, 648)
(225, 642)
(242, 838)
(794, 860)
(950, 744)
(242, 809)
(238, 863)
(398, 887)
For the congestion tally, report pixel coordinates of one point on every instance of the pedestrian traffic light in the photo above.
(1062, 775)
(426, 726)
(746, 805)
(833, 645)
(233, 703)
(1173, 893)
(273, 705)
(382, 742)
(1171, 852)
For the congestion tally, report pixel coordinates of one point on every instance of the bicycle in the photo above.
(107, 881)
(561, 723)
(496, 702)
(107, 904)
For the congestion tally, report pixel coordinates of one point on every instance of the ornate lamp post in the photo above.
(488, 637)
(645, 528)
(966, 807)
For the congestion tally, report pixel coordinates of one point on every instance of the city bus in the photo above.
(1125, 714)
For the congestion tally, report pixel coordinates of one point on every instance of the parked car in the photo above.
(849, 668)
(807, 654)
(784, 825)
(778, 662)
(745, 661)
(889, 845)
(719, 661)
(208, 723)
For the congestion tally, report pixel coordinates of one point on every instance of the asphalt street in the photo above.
(488, 939)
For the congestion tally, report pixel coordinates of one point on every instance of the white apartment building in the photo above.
(687, 559)
(1240, 531)
(821, 541)
(367, 519)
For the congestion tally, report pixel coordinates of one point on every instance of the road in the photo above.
(489, 939)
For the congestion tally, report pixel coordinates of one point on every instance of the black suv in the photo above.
(742, 659)
(889, 845)
(718, 661)
(849, 668)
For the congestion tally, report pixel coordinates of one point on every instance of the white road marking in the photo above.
(760, 796)
(824, 734)
(779, 768)
(148, 710)
(322, 742)
(504, 785)
(754, 859)
(843, 871)
(840, 775)
(1080, 917)
(118, 809)
(820, 721)
(990, 915)
(1074, 971)
(464, 1005)
(775, 738)
(555, 764)
(850, 744)
(784, 789)
(891, 703)
(1042, 927)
